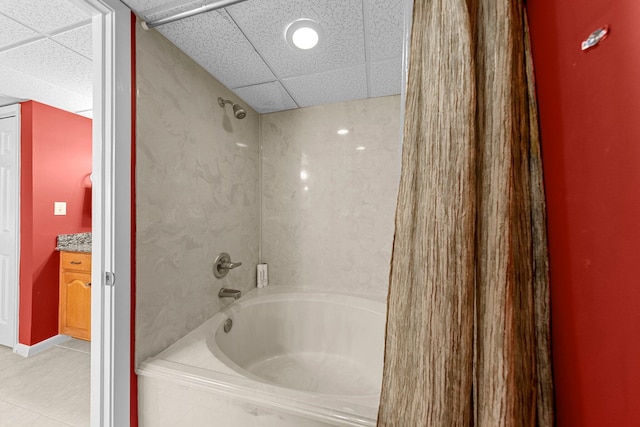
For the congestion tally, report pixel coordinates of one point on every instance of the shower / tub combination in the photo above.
(307, 350)
(311, 192)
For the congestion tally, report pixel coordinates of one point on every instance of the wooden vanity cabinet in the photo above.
(74, 314)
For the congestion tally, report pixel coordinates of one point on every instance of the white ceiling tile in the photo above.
(50, 62)
(328, 87)
(213, 41)
(86, 113)
(13, 32)
(386, 77)
(42, 15)
(173, 7)
(79, 40)
(9, 100)
(341, 43)
(266, 97)
(385, 28)
(148, 8)
(23, 86)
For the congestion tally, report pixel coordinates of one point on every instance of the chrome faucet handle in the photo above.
(223, 264)
(229, 265)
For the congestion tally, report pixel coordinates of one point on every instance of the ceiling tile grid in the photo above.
(18, 85)
(45, 53)
(152, 8)
(328, 87)
(43, 16)
(8, 100)
(12, 32)
(341, 40)
(50, 62)
(215, 42)
(266, 97)
(243, 46)
(80, 40)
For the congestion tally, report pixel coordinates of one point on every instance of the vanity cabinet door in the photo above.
(75, 295)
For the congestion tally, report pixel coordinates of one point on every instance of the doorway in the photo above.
(111, 207)
(9, 223)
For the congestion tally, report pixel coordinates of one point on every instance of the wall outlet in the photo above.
(59, 208)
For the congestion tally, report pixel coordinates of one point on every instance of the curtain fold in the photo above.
(468, 313)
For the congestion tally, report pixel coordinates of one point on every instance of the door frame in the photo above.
(6, 112)
(111, 212)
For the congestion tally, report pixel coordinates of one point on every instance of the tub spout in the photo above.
(232, 293)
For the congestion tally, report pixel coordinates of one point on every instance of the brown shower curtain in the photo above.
(467, 339)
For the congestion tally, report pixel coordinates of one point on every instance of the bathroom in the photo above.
(309, 191)
(165, 311)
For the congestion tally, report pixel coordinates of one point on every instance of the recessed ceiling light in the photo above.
(303, 34)
(343, 131)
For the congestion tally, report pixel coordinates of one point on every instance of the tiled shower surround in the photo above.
(197, 194)
(328, 200)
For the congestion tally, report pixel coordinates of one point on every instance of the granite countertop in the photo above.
(78, 242)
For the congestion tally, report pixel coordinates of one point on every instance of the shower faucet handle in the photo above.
(223, 264)
(229, 265)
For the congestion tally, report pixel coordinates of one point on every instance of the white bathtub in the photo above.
(291, 358)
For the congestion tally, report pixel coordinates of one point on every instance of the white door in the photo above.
(9, 210)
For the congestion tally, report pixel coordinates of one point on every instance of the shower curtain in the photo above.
(467, 340)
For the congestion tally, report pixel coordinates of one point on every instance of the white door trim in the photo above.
(111, 223)
(5, 112)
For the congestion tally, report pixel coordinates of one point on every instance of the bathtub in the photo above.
(290, 358)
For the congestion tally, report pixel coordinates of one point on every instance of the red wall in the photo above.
(55, 166)
(589, 106)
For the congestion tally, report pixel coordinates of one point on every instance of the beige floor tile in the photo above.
(54, 383)
(11, 415)
(8, 358)
(77, 345)
(44, 421)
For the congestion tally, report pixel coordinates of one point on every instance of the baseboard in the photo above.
(29, 350)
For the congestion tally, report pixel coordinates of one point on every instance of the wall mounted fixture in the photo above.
(238, 111)
(222, 264)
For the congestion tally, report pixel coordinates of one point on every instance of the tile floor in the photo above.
(49, 389)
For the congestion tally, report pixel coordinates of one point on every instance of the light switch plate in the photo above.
(59, 208)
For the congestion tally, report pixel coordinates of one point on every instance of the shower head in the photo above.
(238, 112)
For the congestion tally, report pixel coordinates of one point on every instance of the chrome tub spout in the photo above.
(229, 293)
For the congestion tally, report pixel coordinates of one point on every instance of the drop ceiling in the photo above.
(45, 53)
(244, 46)
(45, 50)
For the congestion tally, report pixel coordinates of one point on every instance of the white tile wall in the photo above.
(328, 204)
(329, 200)
(197, 194)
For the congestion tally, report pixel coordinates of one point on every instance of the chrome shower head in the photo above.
(238, 112)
